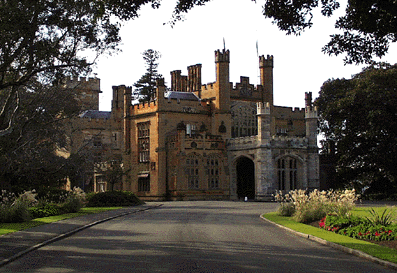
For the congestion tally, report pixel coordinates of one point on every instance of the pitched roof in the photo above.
(96, 114)
(181, 95)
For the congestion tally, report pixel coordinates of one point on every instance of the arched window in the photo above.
(287, 173)
(192, 171)
(244, 121)
(213, 168)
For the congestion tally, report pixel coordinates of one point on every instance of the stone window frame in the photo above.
(143, 130)
(213, 171)
(244, 120)
(287, 166)
(192, 171)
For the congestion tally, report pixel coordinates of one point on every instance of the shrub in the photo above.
(45, 210)
(286, 209)
(287, 206)
(52, 195)
(15, 209)
(112, 199)
(308, 207)
(309, 213)
(332, 221)
(72, 204)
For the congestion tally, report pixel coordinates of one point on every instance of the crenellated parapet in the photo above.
(222, 56)
(266, 62)
(82, 82)
(311, 112)
(144, 107)
(284, 142)
(263, 108)
(248, 142)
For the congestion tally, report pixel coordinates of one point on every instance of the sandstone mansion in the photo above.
(195, 141)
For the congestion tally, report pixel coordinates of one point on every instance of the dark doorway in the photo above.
(245, 178)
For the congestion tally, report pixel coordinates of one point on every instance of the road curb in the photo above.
(336, 246)
(69, 233)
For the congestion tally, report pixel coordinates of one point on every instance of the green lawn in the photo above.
(364, 211)
(12, 227)
(374, 250)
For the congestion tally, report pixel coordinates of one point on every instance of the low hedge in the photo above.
(112, 199)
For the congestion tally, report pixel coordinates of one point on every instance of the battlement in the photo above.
(283, 112)
(266, 62)
(289, 142)
(83, 82)
(263, 108)
(311, 112)
(222, 56)
(243, 142)
(144, 106)
(203, 137)
(208, 86)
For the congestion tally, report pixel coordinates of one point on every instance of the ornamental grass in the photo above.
(308, 206)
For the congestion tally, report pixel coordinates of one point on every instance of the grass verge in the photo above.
(13, 227)
(383, 253)
(364, 211)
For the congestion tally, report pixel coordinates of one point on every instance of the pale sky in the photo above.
(299, 64)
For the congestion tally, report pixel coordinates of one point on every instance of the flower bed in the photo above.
(378, 227)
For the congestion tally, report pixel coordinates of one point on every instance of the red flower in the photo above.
(377, 233)
(390, 231)
(360, 234)
(321, 224)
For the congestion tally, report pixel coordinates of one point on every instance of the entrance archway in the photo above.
(245, 170)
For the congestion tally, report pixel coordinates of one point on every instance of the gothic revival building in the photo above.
(94, 136)
(217, 140)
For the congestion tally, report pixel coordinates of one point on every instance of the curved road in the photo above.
(190, 237)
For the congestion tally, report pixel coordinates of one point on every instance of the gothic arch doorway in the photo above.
(245, 170)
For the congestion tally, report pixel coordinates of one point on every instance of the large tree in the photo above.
(369, 26)
(359, 115)
(146, 85)
(27, 153)
(41, 42)
(50, 39)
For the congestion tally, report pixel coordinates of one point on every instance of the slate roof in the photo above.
(95, 114)
(181, 95)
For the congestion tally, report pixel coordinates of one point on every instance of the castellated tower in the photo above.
(88, 91)
(266, 72)
(311, 117)
(222, 60)
(222, 87)
(264, 122)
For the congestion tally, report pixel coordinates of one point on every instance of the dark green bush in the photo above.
(72, 204)
(343, 222)
(112, 199)
(52, 195)
(46, 210)
(18, 213)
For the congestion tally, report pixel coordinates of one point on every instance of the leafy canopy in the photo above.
(369, 26)
(360, 116)
(45, 40)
